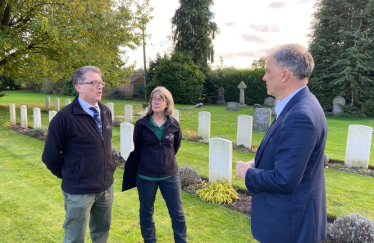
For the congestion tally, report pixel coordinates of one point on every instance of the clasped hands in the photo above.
(242, 167)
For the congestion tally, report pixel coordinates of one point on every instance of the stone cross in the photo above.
(126, 137)
(220, 160)
(242, 87)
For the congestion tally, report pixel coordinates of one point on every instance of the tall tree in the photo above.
(193, 30)
(342, 45)
(53, 38)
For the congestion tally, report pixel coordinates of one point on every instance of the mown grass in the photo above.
(31, 203)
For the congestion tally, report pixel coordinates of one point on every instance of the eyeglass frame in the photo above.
(94, 83)
(159, 100)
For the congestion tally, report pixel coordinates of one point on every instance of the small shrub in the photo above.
(116, 123)
(189, 176)
(351, 228)
(7, 124)
(118, 159)
(39, 133)
(218, 192)
(325, 159)
(190, 134)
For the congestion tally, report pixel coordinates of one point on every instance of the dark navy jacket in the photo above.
(76, 152)
(288, 183)
(152, 157)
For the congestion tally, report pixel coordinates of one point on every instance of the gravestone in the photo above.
(12, 108)
(337, 105)
(128, 113)
(204, 125)
(126, 138)
(221, 96)
(24, 117)
(244, 131)
(242, 87)
(47, 102)
(220, 160)
(37, 118)
(110, 105)
(51, 114)
(232, 106)
(273, 111)
(269, 101)
(358, 146)
(67, 102)
(57, 104)
(255, 106)
(176, 115)
(261, 120)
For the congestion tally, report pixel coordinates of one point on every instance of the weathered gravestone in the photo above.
(244, 131)
(269, 101)
(57, 104)
(232, 106)
(204, 125)
(220, 160)
(261, 120)
(126, 139)
(47, 102)
(337, 105)
(358, 146)
(221, 96)
(255, 106)
(242, 87)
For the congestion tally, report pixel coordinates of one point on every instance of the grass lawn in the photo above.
(31, 203)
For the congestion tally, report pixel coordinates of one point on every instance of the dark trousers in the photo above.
(171, 192)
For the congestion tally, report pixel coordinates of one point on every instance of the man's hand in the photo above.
(242, 167)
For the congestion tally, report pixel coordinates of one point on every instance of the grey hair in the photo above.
(78, 75)
(296, 58)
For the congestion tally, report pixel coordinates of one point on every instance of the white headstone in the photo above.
(220, 160)
(358, 146)
(47, 102)
(244, 131)
(204, 125)
(337, 105)
(12, 108)
(51, 115)
(126, 138)
(67, 102)
(128, 113)
(24, 117)
(176, 115)
(37, 118)
(57, 104)
(261, 120)
(111, 108)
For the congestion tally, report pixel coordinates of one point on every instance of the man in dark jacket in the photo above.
(78, 150)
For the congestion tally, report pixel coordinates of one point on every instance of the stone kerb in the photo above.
(37, 118)
(126, 139)
(358, 146)
(220, 160)
(244, 131)
(204, 125)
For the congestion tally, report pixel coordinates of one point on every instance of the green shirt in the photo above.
(158, 131)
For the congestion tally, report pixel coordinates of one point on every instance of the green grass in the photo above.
(31, 203)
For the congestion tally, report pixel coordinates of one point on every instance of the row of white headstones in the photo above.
(220, 150)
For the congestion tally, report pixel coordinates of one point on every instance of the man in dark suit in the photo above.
(286, 178)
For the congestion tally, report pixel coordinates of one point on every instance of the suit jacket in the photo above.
(288, 183)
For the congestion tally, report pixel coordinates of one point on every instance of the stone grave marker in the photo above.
(232, 106)
(244, 131)
(221, 96)
(47, 102)
(220, 160)
(111, 108)
(261, 120)
(204, 125)
(37, 118)
(358, 146)
(24, 117)
(126, 137)
(12, 111)
(51, 114)
(57, 104)
(337, 105)
(128, 113)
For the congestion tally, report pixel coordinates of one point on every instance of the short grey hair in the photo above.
(78, 75)
(296, 58)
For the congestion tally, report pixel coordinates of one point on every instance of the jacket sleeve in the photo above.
(131, 166)
(177, 139)
(298, 138)
(54, 144)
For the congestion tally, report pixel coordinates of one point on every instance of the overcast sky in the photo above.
(248, 29)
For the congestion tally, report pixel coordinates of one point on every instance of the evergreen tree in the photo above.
(342, 46)
(193, 30)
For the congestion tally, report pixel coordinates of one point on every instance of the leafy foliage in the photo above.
(342, 45)
(180, 76)
(193, 30)
(189, 176)
(218, 192)
(351, 228)
(53, 38)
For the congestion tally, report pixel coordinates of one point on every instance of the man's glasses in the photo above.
(94, 83)
(159, 100)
